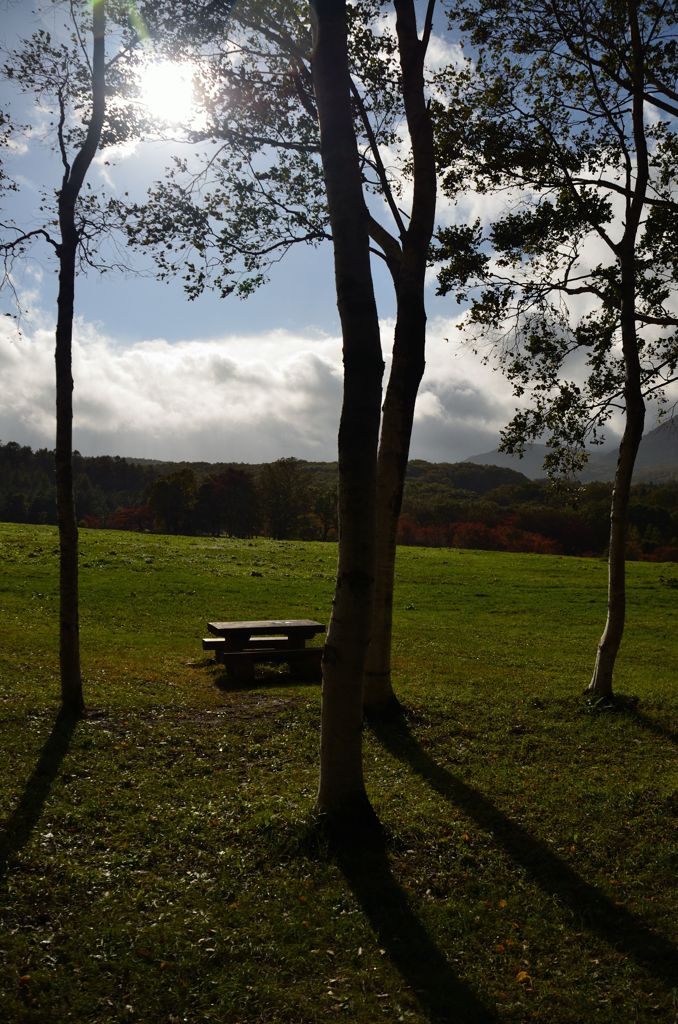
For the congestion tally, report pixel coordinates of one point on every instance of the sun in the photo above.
(167, 91)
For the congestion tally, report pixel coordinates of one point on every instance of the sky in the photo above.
(158, 376)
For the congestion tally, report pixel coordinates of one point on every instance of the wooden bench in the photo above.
(241, 645)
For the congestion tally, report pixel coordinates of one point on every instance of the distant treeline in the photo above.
(455, 505)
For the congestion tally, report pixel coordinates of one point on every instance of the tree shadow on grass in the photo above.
(443, 997)
(622, 704)
(21, 822)
(645, 722)
(616, 925)
(265, 679)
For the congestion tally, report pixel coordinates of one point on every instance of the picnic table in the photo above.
(241, 645)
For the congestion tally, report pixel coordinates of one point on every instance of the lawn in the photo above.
(160, 863)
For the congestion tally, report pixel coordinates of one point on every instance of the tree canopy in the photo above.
(81, 91)
(564, 117)
(567, 112)
(254, 187)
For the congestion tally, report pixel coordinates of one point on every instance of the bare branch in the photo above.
(378, 162)
(391, 249)
(60, 134)
(15, 243)
(428, 26)
(659, 321)
(81, 42)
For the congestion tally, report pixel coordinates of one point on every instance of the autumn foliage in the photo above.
(461, 505)
(506, 536)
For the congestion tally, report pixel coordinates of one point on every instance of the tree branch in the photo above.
(659, 321)
(428, 26)
(75, 178)
(7, 247)
(392, 251)
(378, 162)
(60, 134)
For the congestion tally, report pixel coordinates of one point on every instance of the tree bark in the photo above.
(69, 632)
(72, 698)
(408, 363)
(601, 684)
(608, 647)
(394, 446)
(341, 794)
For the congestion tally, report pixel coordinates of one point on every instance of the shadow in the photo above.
(628, 706)
(654, 727)
(616, 925)
(18, 828)
(263, 680)
(442, 996)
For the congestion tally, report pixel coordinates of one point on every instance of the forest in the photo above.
(461, 505)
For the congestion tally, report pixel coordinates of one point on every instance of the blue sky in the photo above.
(159, 376)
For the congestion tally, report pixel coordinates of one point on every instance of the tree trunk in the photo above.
(341, 795)
(408, 363)
(69, 633)
(608, 648)
(72, 699)
(406, 372)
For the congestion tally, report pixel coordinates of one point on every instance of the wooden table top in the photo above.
(267, 627)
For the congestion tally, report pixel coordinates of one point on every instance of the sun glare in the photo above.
(167, 91)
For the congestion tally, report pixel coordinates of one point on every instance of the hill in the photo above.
(462, 505)
(531, 464)
(657, 458)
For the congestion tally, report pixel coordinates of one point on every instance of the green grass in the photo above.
(159, 862)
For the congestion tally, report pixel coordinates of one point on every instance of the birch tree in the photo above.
(569, 110)
(260, 190)
(341, 793)
(70, 82)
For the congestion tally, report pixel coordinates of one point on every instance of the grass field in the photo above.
(159, 861)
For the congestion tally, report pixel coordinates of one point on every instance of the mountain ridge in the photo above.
(657, 459)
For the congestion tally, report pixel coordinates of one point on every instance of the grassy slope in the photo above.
(159, 866)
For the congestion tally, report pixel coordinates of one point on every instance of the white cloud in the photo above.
(249, 398)
(16, 146)
(443, 53)
(462, 404)
(243, 398)
(106, 158)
